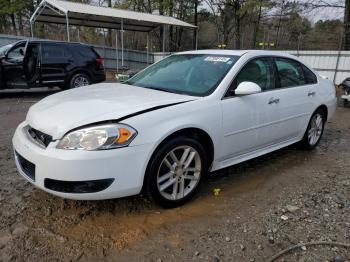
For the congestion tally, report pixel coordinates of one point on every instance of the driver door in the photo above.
(247, 119)
(21, 65)
(32, 64)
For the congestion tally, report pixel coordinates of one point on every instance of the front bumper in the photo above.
(125, 165)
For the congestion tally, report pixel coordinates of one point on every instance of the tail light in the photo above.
(100, 61)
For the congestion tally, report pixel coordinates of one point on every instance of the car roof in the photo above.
(239, 52)
(51, 41)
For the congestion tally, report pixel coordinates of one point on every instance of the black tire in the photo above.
(346, 103)
(305, 142)
(156, 166)
(73, 81)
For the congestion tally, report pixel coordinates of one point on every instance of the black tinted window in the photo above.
(87, 52)
(310, 77)
(258, 71)
(53, 51)
(290, 72)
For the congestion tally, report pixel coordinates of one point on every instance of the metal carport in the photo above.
(77, 14)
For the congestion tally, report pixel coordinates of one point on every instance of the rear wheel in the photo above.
(346, 103)
(314, 130)
(77, 80)
(176, 172)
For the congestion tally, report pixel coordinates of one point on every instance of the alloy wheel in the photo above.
(315, 130)
(80, 81)
(179, 173)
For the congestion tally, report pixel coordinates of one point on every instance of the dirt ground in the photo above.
(264, 206)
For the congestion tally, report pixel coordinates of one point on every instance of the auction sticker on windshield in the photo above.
(222, 59)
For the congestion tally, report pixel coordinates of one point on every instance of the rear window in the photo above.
(87, 52)
(310, 77)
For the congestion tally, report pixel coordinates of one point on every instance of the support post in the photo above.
(147, 47)
(338, 58)
(196, 44)
(116, 50)
(79, 34)
(122, 41)
(67, 22)
(163, 39)
(298, 47)
(32, 29)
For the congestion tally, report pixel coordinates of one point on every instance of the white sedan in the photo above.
(165, 128)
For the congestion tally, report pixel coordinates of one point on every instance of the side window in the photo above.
(17, 52)
(50, 51)
(290, 72)
(258, 71)
(310, 77)
(85, 51)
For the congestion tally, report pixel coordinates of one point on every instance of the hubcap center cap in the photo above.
(180, 171)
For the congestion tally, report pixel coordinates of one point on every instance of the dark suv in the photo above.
(37, 63)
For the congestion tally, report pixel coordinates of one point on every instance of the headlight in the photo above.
(98, 137)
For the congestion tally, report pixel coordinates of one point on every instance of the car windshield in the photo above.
(190, 74)
(4, 48)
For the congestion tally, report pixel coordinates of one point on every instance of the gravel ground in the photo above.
(264, 206)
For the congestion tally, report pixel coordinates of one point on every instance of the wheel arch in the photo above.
(78, 71)
(192, 132)
(324, 108)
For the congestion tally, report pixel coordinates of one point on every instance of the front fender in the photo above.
(155, 126)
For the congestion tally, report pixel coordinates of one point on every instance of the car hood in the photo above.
(59, 113)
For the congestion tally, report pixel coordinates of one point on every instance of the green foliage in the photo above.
(13, 6)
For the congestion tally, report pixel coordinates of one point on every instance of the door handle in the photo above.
(274, 100)
(311, 93)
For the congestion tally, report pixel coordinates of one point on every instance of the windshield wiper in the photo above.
(163, 89)
(159, 89)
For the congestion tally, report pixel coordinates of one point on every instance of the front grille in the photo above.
(39, 137)
(27, 167)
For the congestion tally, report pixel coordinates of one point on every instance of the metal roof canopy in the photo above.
(77, 14)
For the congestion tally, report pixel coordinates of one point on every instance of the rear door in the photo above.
(294, 95)
(55, 63)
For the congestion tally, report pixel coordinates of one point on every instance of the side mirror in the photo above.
(21, 51)
(247, 88)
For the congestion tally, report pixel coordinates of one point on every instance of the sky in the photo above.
(328, 13)
(324, 13)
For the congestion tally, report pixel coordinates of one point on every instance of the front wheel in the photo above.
(314, 130)
(176, 172)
